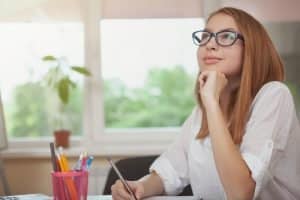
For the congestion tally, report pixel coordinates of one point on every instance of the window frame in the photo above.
(96, 139)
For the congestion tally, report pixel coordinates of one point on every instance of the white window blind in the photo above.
(151, 8)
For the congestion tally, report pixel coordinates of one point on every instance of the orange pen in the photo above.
(68, 180)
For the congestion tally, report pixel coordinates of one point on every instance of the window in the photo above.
(149, 68)
(69, 29)
(143, 68)
(29, 107)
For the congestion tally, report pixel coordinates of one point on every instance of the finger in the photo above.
(114, 193)
(139, 194)
(201, 83)
(210, 76)
(206, 72)
(136, 189)
(124, 194)
(118, 197)
(120, 194)
(132, 198)
(121, 190)
(204, 75)
(112, 188)
(119, 184)
(202, 79)
(114, 197)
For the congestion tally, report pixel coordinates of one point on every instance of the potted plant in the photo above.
(59, 78)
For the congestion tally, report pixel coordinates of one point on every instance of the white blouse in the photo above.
(270, 147)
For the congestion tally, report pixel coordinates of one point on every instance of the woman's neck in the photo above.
(226, 98)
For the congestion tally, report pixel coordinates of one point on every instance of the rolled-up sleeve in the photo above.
(172, 165)
(258, 165)
(267, 129)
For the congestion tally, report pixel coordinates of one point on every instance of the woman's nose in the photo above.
(212, 44)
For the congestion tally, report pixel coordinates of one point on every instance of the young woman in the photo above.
(241, 142)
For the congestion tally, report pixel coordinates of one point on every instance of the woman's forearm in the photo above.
(233, 171)
(153, 185)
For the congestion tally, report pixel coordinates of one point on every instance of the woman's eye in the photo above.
(227, 36)
(204, 36)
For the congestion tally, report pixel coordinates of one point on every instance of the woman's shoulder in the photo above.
(274, 86)
(271, 91)
(272, 115)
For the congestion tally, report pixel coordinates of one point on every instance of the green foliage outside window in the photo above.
(29, 111)
(165, 100)
(26, 113)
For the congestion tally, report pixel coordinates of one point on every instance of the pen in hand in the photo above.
(114, 167)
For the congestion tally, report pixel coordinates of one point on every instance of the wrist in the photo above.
(211, 104)
(143, 182)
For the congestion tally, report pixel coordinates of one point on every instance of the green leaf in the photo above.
(71, 83)
(81, 70)
(63, 90)
(49, 58)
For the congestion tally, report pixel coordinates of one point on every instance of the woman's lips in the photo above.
(211, 60)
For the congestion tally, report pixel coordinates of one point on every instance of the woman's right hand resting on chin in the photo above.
(149, 185)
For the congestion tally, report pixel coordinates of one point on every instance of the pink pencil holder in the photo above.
(72, 185)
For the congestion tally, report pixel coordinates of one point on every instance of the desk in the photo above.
(101, 197)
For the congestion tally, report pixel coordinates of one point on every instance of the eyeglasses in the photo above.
(223, 38)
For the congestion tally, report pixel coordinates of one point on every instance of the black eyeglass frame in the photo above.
(215, 35)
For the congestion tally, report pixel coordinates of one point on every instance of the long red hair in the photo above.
(261, 64)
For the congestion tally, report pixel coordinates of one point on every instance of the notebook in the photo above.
(26, 197)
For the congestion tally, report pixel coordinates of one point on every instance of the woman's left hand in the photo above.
(212, 84)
